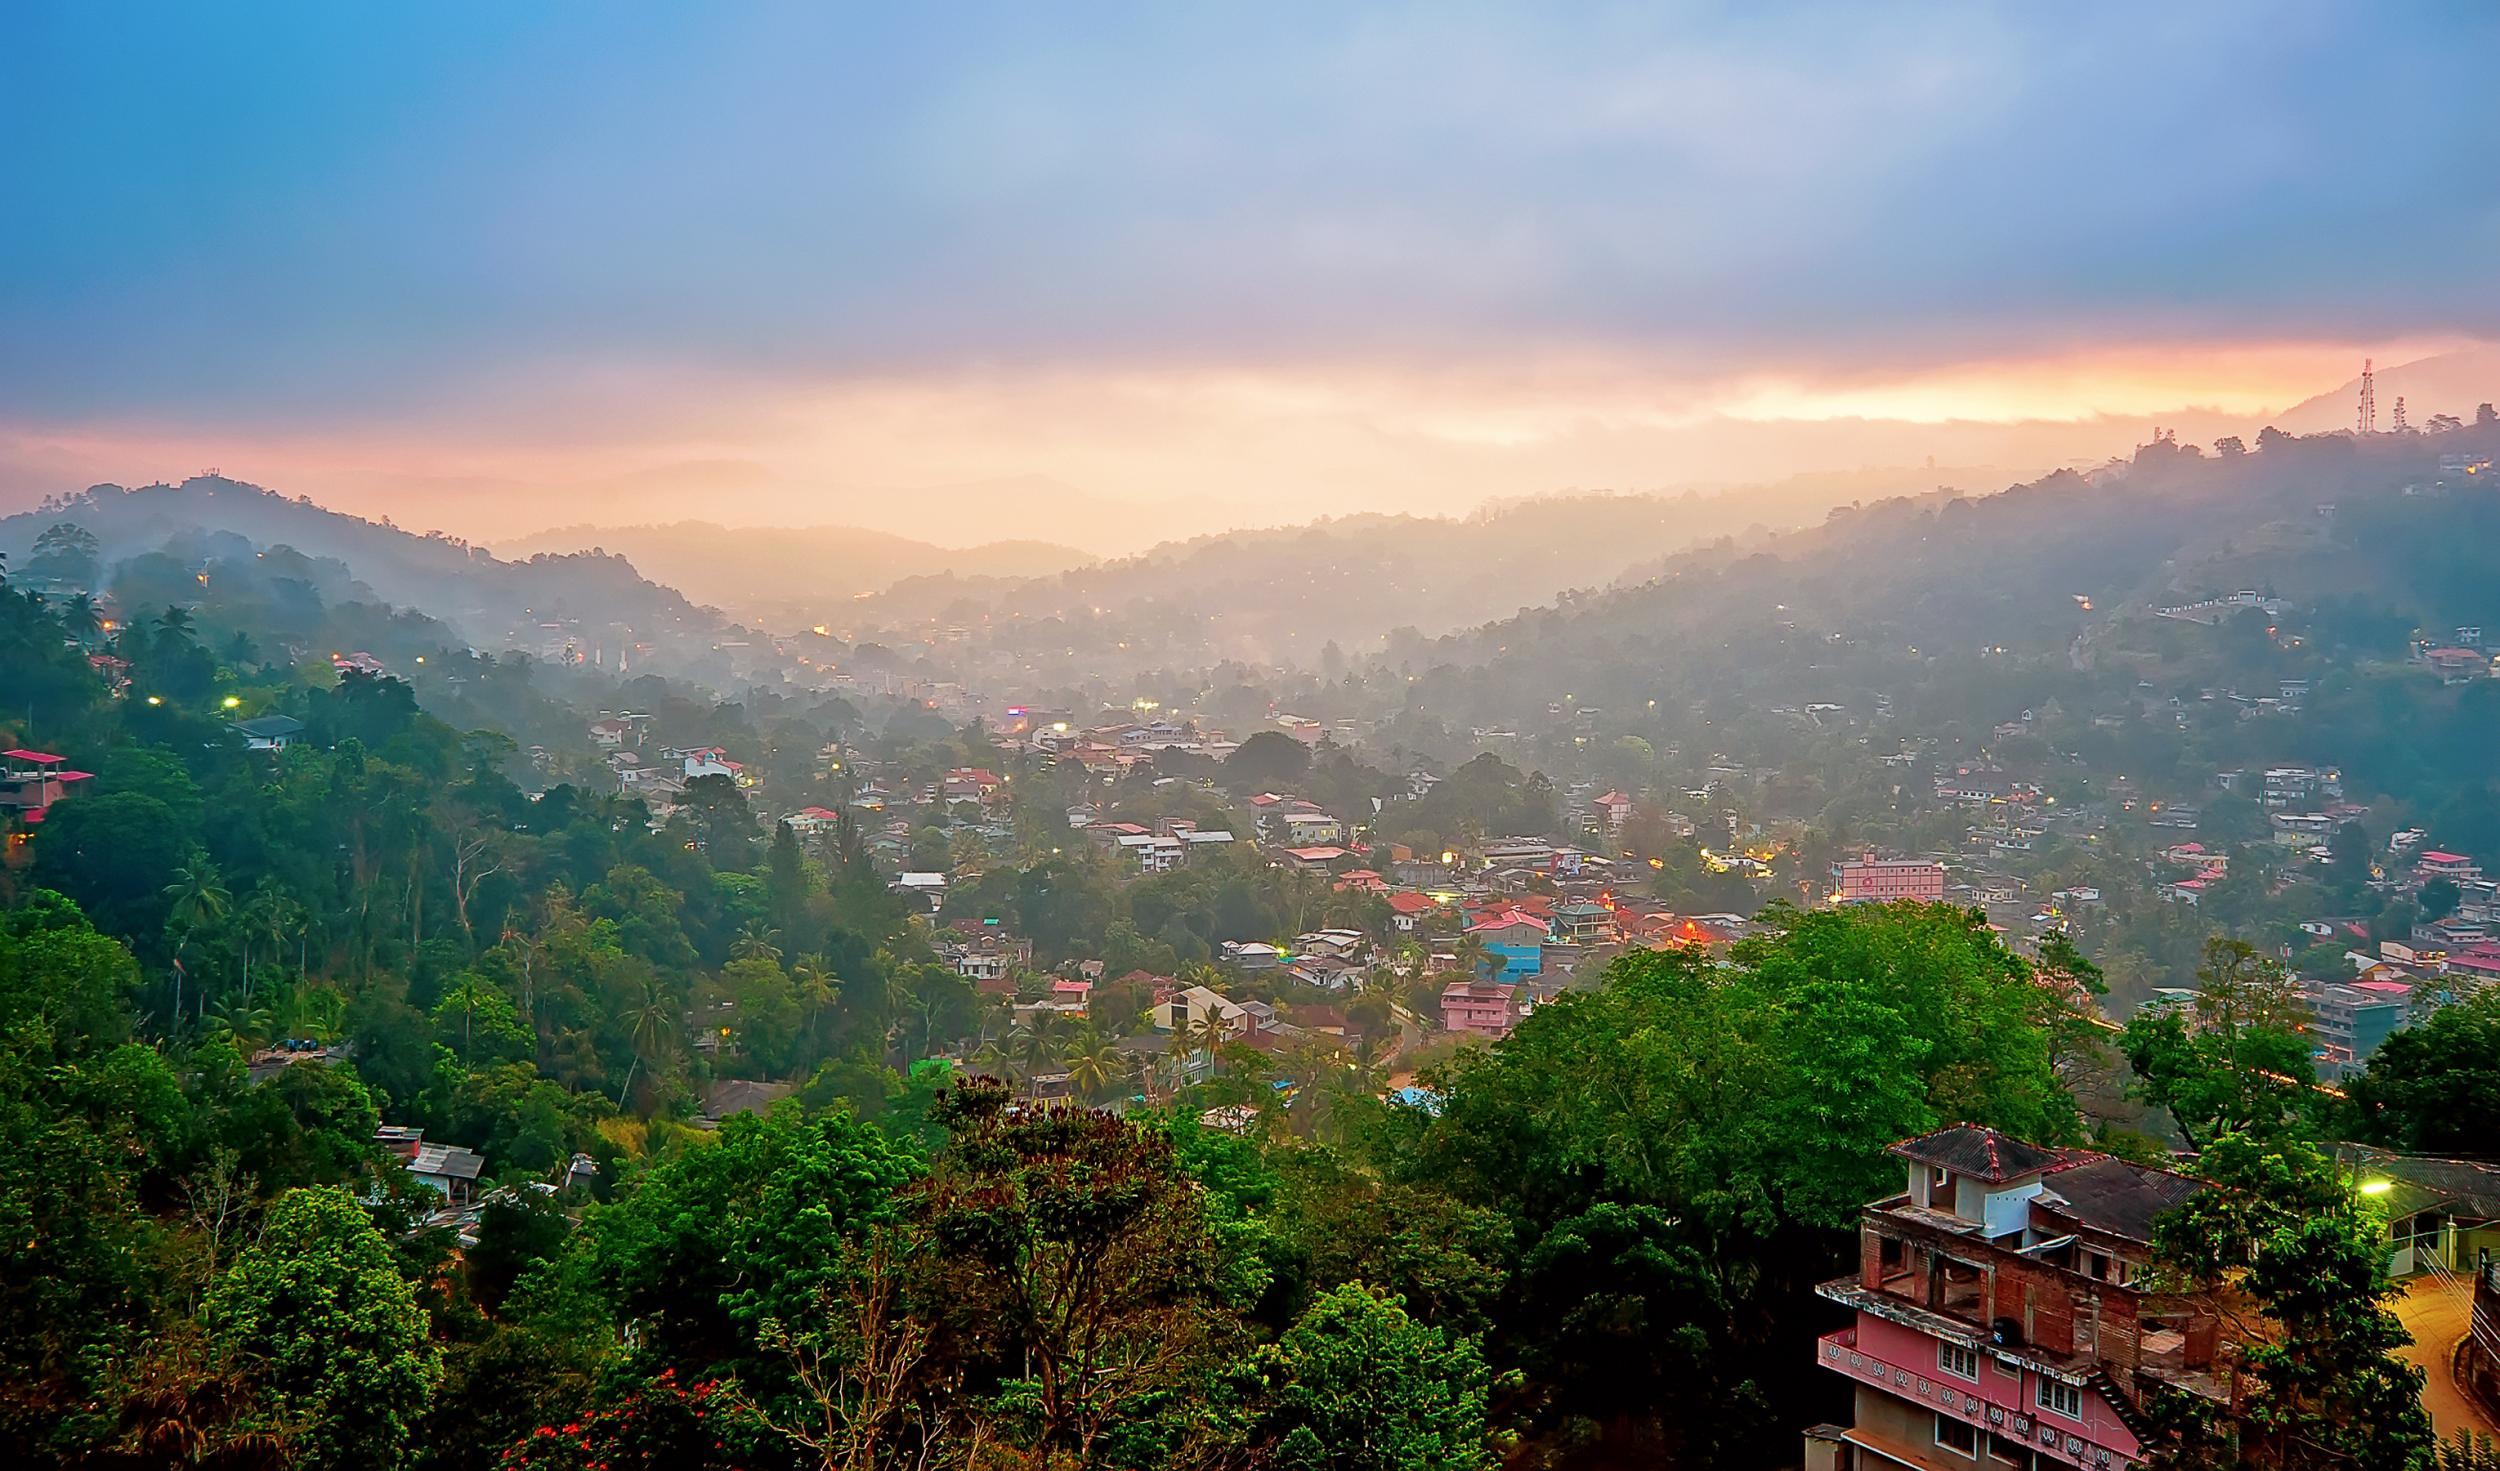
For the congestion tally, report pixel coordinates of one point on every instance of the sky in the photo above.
(1110, 271)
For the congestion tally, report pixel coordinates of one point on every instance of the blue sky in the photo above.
(552, 245)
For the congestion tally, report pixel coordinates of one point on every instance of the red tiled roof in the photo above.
(1410, 903)
(44, 758)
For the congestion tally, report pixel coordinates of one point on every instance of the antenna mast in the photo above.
(2366, 422)
(2400, 413)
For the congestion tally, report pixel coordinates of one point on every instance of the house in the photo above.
(1407, 909)
(985, 954)
(268, 732)
(32, 781)
(2348, 1021)
(2003, 1316)
(447, 1169)
(2455, 666)
(969, 784)
(1203, 840)
(710, 761)
(1479, 1008)
(1187, 1012)
(2454, 867)
(1613, 810)
(1152, 852)
(1305, 829)
(1514, 942)
(611, 734)
(1310, 860)
(809, 822)
(2443, 1215)
(1583, 922)
(1873, 880)
(1249, 955)
(729, 1097)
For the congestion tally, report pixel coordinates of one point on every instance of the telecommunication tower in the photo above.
(2400, 413)
(2366, 422)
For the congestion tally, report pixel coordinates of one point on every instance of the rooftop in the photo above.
(1980, 1152)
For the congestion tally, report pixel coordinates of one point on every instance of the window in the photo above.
(2010, 1452)
(1939, 1186)
(1956, 1360)
(2061, 1399)
(1958, 1436)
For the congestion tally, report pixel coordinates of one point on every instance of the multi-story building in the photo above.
(2003, 1323)
(1873, 880)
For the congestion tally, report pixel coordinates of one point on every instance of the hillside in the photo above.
(1287, 593)
(2363, 541)
(787, 573)
(160, 544)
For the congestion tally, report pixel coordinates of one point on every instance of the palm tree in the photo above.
(648, 1020)
(81, 618)
(1036, 1042)
(175, 624)
(1474, 956)
(756, 938)
(199, 901)
(1207, 1032)
(813, 978)
(268, 915)
(250, 1025)
(198, 895)
(1093, 1063)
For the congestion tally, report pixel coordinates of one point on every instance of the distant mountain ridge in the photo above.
(492, 603)
(1286, 592)
(780, 572)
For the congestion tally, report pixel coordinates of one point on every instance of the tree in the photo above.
(1365, 1387)
(2230, 446)
(1269, 759)
(2288, 1235)
(323, 1327)
(2234, 1059)
(1093, 1063)
(720, 1240)
(1073, 1253)
(66, 555)
(2427, 1088)
(1747, 1108)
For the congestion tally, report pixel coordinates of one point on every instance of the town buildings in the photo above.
(1873, 880)
(2002, 1313)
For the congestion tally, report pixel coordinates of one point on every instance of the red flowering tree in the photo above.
(666, 1424)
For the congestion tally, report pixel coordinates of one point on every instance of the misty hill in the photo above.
(2365, 540)
(2451, 383)
(1285, 593)
(787, 573)
(159, 544)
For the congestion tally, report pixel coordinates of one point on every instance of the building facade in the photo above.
(1873, 880)
(2001, 1321)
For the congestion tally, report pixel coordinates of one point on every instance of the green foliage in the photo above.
(2428, 1089)
(327, 1333)
(2288, 1235)
(1365, 1387)
(747, 1227)
(2234, 1058)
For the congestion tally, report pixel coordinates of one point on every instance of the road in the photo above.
(2437, 1317)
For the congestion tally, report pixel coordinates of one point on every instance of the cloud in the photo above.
(1331, 255)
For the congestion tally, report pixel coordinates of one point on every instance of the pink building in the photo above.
(2001, 1318)
(1479, 1008)
(1873, 880)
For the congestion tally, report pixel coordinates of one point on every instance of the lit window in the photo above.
(1958, 1436)
(1957, 1360)
(2061, 1399)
